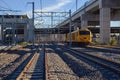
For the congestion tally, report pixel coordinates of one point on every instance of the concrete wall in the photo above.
(14, 22)
(50, 37)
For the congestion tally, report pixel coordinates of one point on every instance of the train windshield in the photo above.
(84, 33)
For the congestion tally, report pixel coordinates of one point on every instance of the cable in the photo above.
(3, 9)
(5, 4)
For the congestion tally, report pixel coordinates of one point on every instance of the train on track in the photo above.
(80, 37)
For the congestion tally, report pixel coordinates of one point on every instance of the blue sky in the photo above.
(47, 5)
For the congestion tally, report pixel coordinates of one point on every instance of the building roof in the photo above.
(16, 16)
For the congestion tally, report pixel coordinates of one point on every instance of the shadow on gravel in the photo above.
(22, 53)
(50, 49)
(74, 65)
(31, 47)
(78, 68)
(39, 70)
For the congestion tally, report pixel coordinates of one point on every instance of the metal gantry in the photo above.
(54, 17)
(50, 20)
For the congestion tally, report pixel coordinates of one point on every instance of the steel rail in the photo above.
(21, 76)
(37, 70)
(112, 66)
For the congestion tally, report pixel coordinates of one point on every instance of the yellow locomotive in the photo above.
(80, 37)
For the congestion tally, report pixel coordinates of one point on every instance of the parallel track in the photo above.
(112, 66)
(34, 70)
(103, 49)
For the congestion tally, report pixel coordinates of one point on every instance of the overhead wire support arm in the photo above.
(48, 12)
(56, 15)
(45, 15)
(11, 10)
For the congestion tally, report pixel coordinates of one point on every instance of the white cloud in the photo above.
(58, 5)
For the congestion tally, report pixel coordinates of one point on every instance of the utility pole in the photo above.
(32, 21)
(76, 4)
(70, 26)
(13, 32)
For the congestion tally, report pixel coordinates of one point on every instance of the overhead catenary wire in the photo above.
(5, 4)
(41, 8)
(4, 9)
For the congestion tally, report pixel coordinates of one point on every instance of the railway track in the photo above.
(36, 68)
(8, 48)
(104, 49)
(112, 66)
(33, 68)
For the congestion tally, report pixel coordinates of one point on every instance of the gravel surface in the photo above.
(58, 69)
(70, 68)
(2, 47)
(11, 59)
(65, 65)
(106, 55)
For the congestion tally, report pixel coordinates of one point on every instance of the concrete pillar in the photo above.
(25, 33)
(104, 25)
(13, 33)
(89, 19)
(31, 30)
(84, 22)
